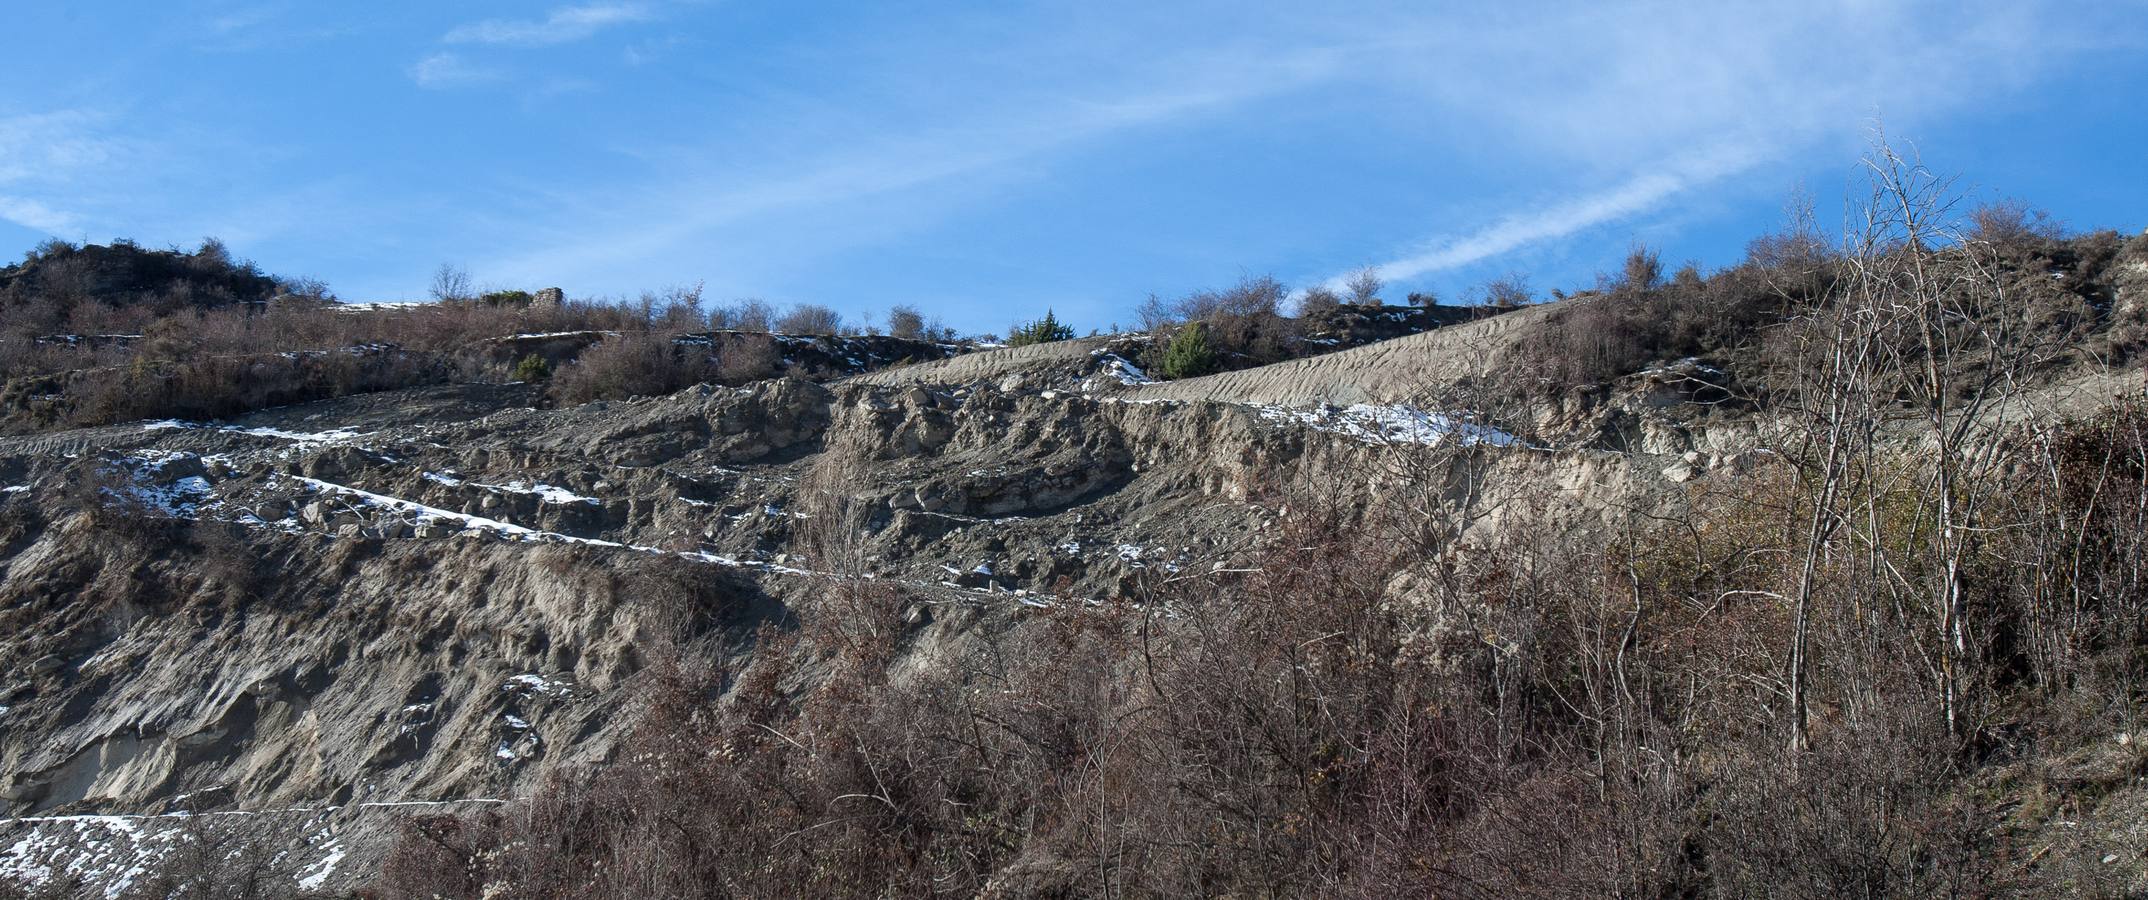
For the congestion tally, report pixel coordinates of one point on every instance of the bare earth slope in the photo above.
(1403, 370)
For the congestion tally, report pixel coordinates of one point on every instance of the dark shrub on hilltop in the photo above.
(1042, 331)
(59, 284)
(93, 335)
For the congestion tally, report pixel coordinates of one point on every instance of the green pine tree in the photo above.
(1189, 354)
(1041, 331)
(532, 368)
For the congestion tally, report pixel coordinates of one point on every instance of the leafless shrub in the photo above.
(1364, 285)
(631, 365)
(1507, 291)
(1318, 301)
(246, 857)
(750, 314)
(450, 283)
(1642, 271)
(748, 358)
(907, 323)
(676, 308)
(2012, 223)
(810, 319)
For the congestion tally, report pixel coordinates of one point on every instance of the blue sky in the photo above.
(989, 160)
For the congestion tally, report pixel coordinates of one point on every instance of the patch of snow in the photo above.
(1390, 424)
(1683, 367)
(426, 515)
(1121, 368)
(439, 478)
(182, 498)
(378, 306)
(312, 881)
(15, 489)
(545, 493)
(331, 436)
(552, 334)
(535, 683)
(107, 852)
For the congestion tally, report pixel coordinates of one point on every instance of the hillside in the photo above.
(1417, 612)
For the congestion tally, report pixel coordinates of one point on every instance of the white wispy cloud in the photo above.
(38, 216)
(258, 26)
(245, 18)
(685, 210)
(1635, 195)
(560, 26)
(1628, 91)
(448, 70)
(46, 155)
(48, 144)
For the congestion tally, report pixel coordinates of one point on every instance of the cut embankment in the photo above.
(1414, 369)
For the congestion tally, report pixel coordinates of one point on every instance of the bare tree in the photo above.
(213, 252)
(1833, 363)
(2011, 222)
(1317, 300)
(906, 322)
(1957, 352)
(1508, 291)
(1918, 333)
(676, 308)
(450, 283)
(1364, 285)
(1643, 269)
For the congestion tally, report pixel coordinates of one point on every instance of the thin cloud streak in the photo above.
(563, 25)
(447, 70)
(37, 216)
(1730, 78)
(46, 153)
(685, 213)
(1638, 194)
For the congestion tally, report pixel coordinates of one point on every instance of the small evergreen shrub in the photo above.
(1041, 331)
(1189, 354)
(506, 298)
(532, 369)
